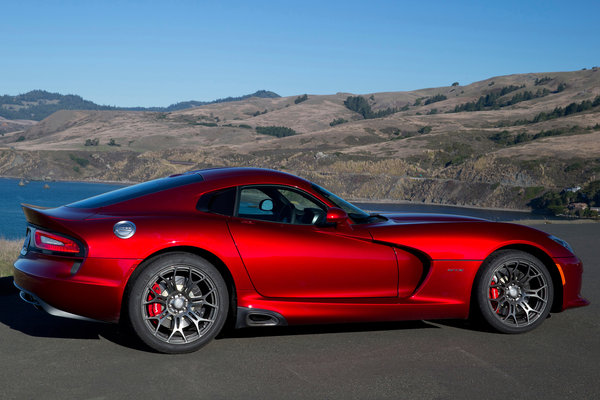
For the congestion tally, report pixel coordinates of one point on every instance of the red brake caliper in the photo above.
(154, 309)
(494, 293)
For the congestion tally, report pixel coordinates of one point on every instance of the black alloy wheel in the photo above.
(178, 303)
(514, 291)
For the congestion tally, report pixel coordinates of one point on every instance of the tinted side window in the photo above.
(250, 202)
(279, 204)
(219, 202)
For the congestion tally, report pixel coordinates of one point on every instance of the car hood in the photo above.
(455, 237)
(414, 218)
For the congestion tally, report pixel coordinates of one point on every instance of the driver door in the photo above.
(289, 253)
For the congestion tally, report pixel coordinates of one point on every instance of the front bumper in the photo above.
(571, 271)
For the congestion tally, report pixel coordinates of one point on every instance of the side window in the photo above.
(219, 202)
(255, 203)
(280, 204)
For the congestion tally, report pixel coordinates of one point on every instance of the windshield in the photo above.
(355, 213)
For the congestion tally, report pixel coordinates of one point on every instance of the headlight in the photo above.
(561, 242)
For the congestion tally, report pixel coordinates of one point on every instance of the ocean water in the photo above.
(12, 220)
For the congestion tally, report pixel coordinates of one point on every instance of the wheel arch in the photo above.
(210, 257)
(540, 255)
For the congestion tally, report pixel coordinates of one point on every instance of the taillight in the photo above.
(53, 242)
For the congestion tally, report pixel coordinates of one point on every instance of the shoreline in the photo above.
(554, 221)
(124, 183)
(358, 200)
(350, 199)
(426, 203)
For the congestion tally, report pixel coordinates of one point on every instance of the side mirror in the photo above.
(266, 205)
(336, 215)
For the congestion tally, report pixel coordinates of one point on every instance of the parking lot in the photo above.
(49, 357)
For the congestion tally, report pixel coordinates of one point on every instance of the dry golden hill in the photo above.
(479, 144)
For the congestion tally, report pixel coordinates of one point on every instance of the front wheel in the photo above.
(178, 303)
(514, 291)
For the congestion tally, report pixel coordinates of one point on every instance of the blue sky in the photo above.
(155, 53)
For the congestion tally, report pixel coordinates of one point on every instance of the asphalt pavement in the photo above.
(54, 358)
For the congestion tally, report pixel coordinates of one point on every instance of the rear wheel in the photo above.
(178, 303)
(514, 291)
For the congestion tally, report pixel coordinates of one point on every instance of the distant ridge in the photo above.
(512, 141)
(38, 104)
(265, 94)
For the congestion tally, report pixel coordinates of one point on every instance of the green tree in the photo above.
(277, 131)
(435, 99)
(591, 193)
(424, 130)
(338, 121)
(551, 202)
(300, 99)
(360, 105)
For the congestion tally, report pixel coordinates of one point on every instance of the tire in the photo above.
(514, 291)
(178, 303)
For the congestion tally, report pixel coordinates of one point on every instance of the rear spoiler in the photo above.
(35, 214)
(49, 218)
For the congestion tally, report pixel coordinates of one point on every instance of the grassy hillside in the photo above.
(39, 104)
(499, 142)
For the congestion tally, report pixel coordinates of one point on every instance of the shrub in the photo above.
(277, 131)
(455, 153)
(435, 99)
(490, 100)
(424, 130)
(256, 114)
(360, 105)
(502, 138)
(300, 99)
(338, 121)
(560, 112)
(541, 81)
(79, 160)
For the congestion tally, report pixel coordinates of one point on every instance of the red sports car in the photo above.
(177, 257)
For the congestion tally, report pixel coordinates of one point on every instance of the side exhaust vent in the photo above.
(259, 319)
(249, 317)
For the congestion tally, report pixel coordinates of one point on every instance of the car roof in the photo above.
(185, 187)
(246, 175)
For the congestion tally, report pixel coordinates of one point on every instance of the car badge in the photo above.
(124, 229)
